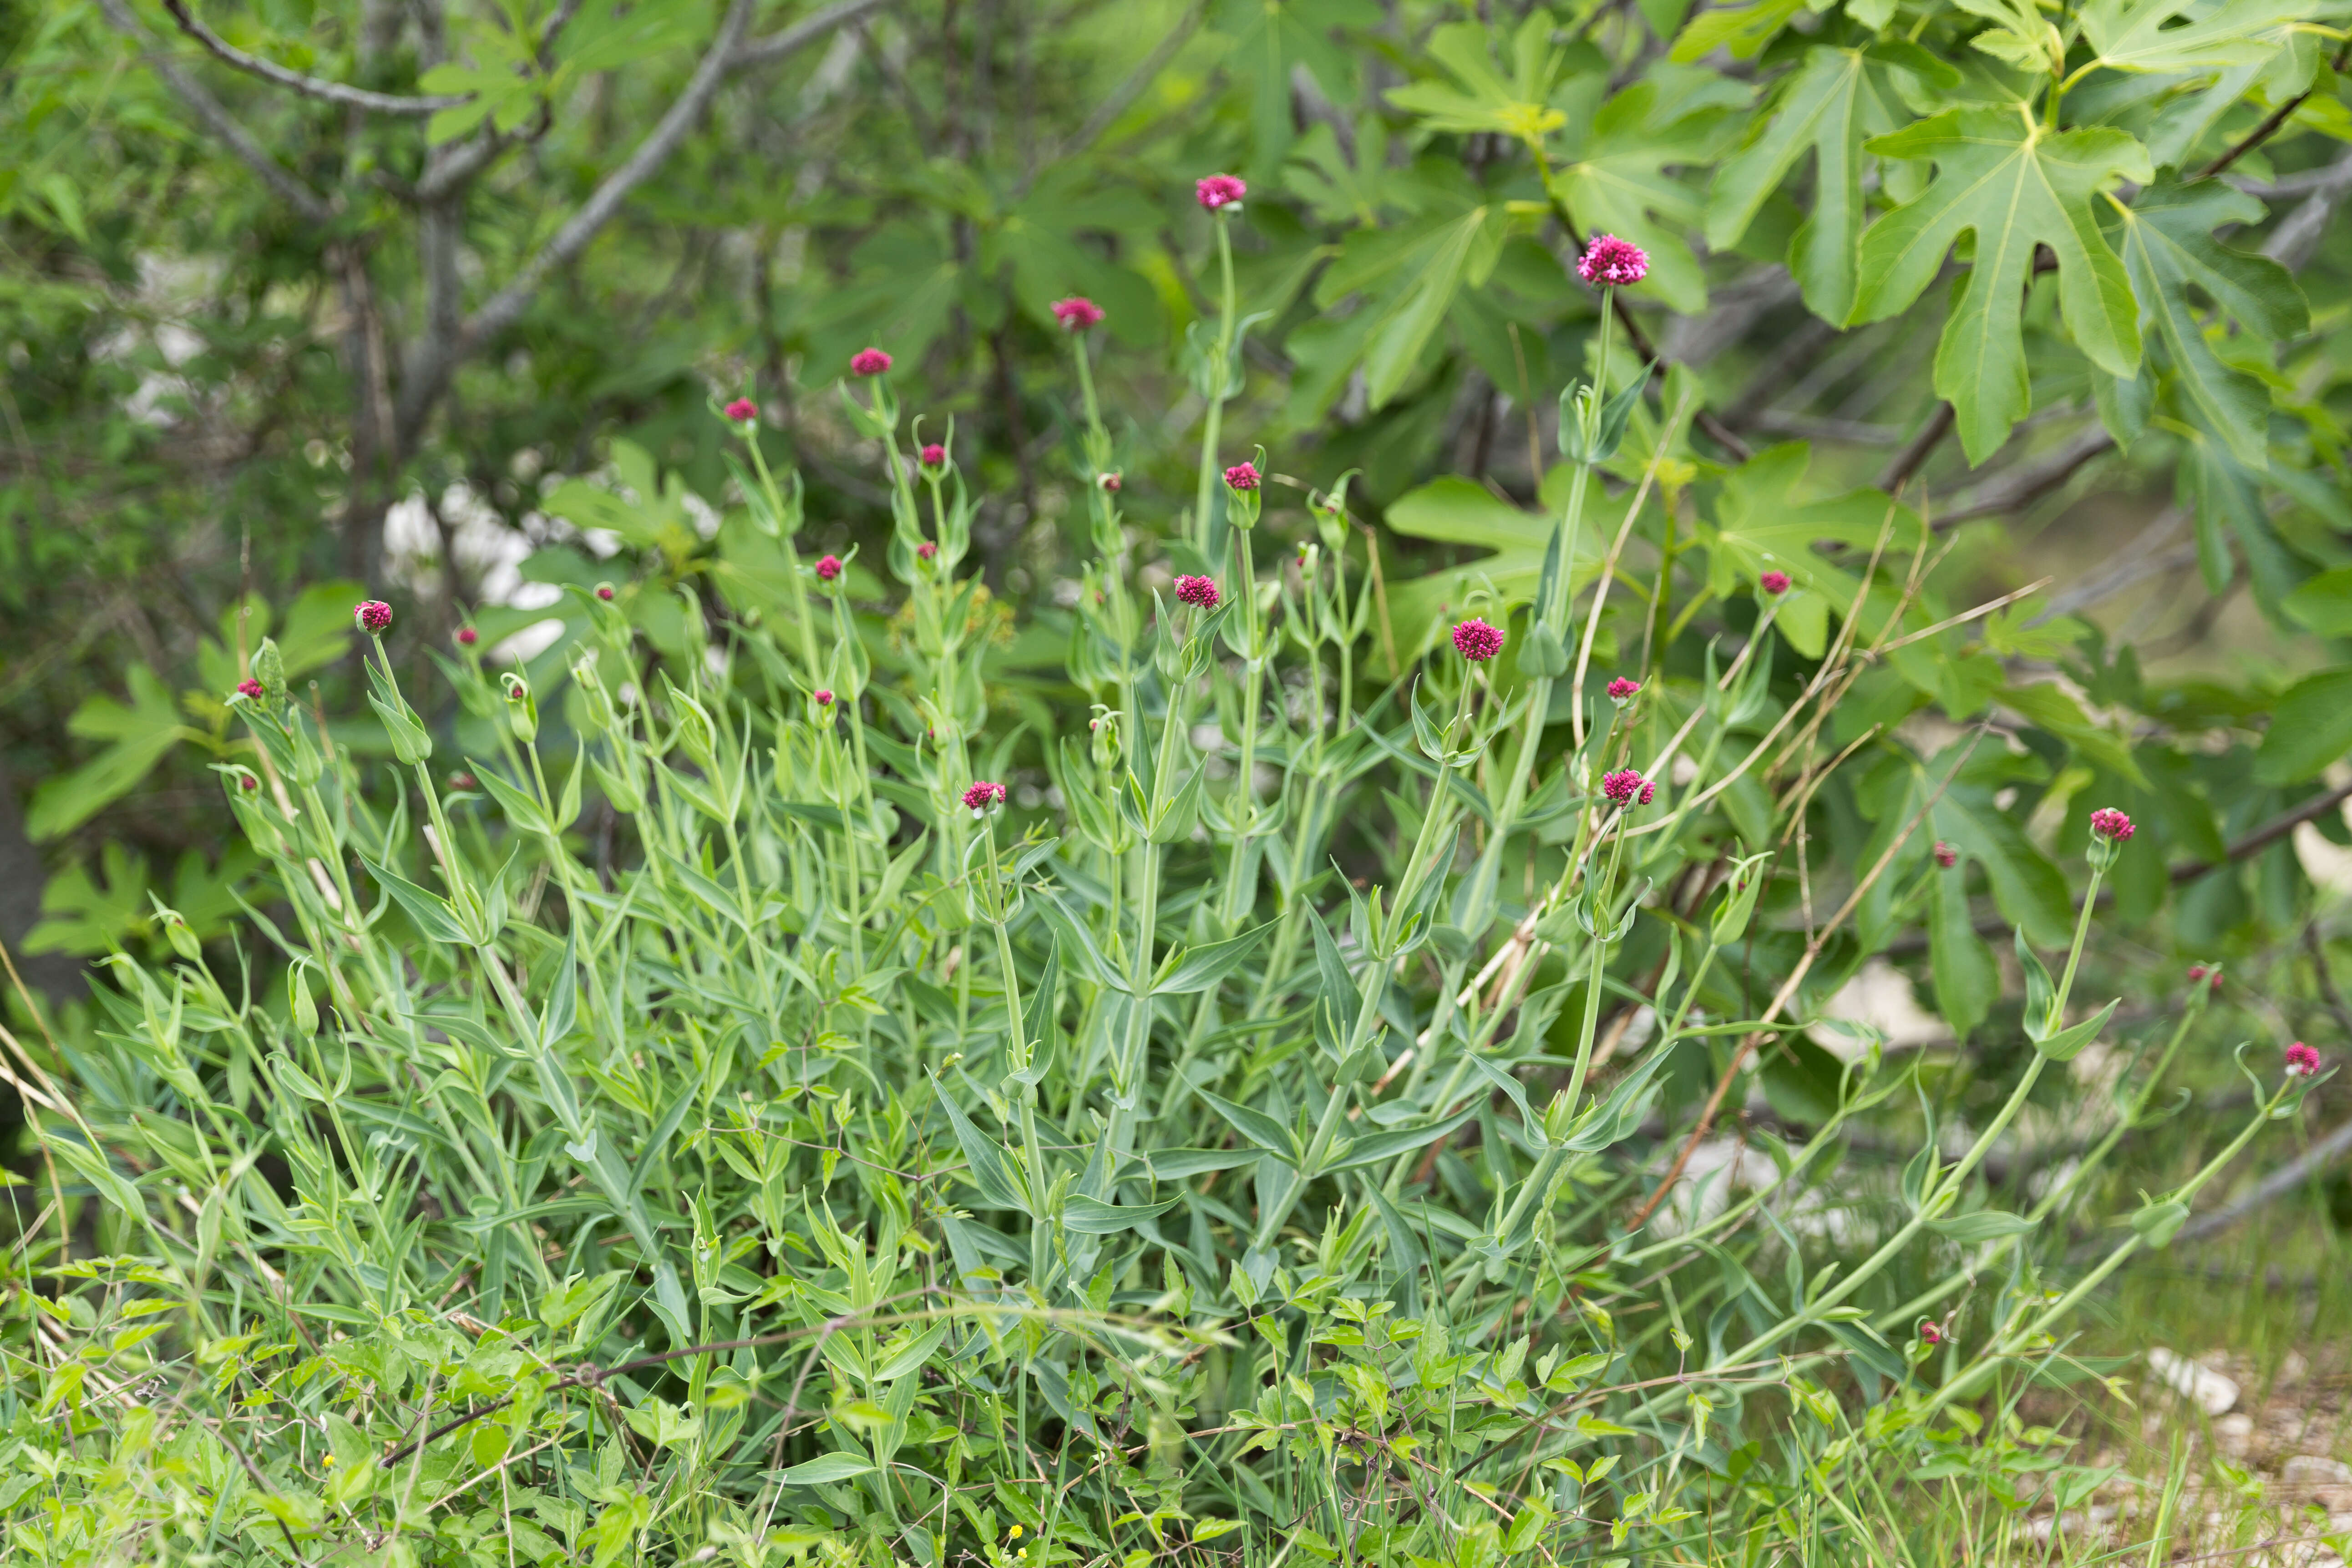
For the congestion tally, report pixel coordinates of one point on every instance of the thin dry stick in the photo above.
(1796, 977)
(1609, 568)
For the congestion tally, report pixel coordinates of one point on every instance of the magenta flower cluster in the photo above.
(1946, 856)
(1201, 592)
(1774, 582)
(1626, 786)
(2302, 1060)
(2111, 825)
(933, 455)
(1077, 314)
(983, 795)
(249, 688)
(1610, 261)
(1623, 691)
(1476, 641)
(829, 567)
(373, 615)
(1220, 191)
(1243, 475)
(743, 411)
(868, 362)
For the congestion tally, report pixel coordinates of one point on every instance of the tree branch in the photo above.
(308, 86)
(2026, 485)
(800, 34)
(2278, 117)
(218, 120)
(436, 358)
(1908, 461)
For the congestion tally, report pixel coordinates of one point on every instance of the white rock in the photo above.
(2315, 1470)
(2233, 1434)
(2200, 1385)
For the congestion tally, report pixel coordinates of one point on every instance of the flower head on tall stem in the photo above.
(1198, 592)
(1946, 856)
(1623, 691)
(2201, 974)
(1077, 314)
(373, 615)
(250, 688)
(982, 795)
(604, 592)
(1220, 191)
(868, 362)
(2111, 825)
(1933, 1332)
(2302, 1060)
(1611, 262)
(824, 697)
(468, 637)
(926, 550)
(1626, 786)
(1108, 482)
(1243, 476)
(829, 567)
(1477, 641)
(743, 411)
(1774, 582)
(933, 457)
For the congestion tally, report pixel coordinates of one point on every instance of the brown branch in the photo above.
(2024, 486)
(358, 97)
(2277, 117)
(1908, 461)
(218, 120)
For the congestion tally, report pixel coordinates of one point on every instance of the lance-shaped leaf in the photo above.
(1092, 1216)
(1836, 99)
(2133, 34)
(992, 1170)
(1256, 1126)
(2014, 186)
(2169, 244)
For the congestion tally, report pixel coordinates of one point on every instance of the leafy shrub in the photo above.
(712, 1115)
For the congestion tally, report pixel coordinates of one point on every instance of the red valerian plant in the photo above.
(1077, 314)
(1243, 476)
(1623, 691)
(829, 567)
(249, 688)
(2302, 1060)
(1477, 641)
(868, 362)
(2111, 825)
(1611, 262)
(373, 615)
(1220, 191)
(1626, 786)
(1773, 582)
(1201, 592)
(983, 794)
(743, 411)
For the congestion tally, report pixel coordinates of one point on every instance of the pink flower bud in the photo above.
(2110, 823)
(1220, 191)
(1108, 482)
(2301, 1062)
(604, 592)
(1946, 856)
(983, 795)
(743, 411)
(468, 637)
(1200, 591)
(1774, 582)
(373, 615)
(249, 688)
(1609, 261)
(1933, 1333)
(829, 567)
(1476, 641)
(926, 550)
(868, 362)
(247, 782)
(933, 455)
(1077, 314)
(462, 781)
(1623, 691)
(1243, 476)
(824, 697)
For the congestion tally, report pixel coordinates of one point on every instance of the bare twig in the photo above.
(1908, 461)
(2271, 123)
(335, 92)
(2029, 483)
(218, 120)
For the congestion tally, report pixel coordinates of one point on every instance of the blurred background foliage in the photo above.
(298, 299)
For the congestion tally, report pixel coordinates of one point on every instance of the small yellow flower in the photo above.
(328, 1460)
(1016, 1532)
